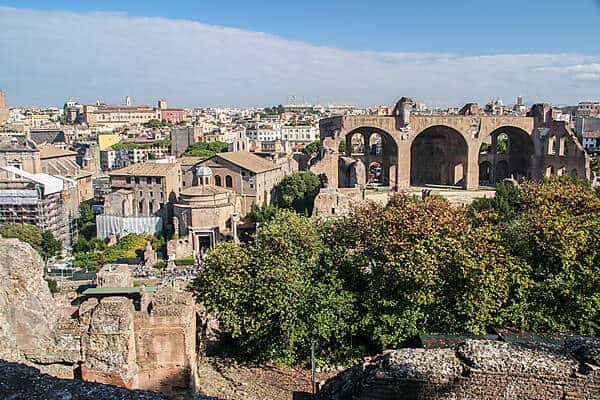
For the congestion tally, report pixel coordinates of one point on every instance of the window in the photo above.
(228, 181)
(158, 181)
(218, 180)
(137, 179)
(149, 180)
(128, 179)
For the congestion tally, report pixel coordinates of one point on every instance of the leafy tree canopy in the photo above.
(311, 149)
(298, 191)
(43, 242)
(205, 149)
(527, 260)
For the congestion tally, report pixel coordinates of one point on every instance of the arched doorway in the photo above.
(376, 155)
(375, 174)
(509, 151)
(438, 156)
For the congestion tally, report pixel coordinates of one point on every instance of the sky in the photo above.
(255, 53)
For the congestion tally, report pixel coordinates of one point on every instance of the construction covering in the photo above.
(107, 225)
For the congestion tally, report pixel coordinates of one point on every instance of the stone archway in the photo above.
(509, 151)
(371, 146)
(439, 156)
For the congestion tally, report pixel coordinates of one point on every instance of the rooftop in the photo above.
(248, 161)
(203, 191)
(145, 169)
(49, 151)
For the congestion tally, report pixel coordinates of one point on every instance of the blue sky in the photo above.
(262, 52)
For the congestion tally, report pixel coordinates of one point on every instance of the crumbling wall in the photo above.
(475, 370)
(152, 349)
(109, 354)
(105, 341)
(28, 313)
(166, 342)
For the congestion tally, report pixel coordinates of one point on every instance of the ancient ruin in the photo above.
(133, 337)
(468, 150)
(475, 369)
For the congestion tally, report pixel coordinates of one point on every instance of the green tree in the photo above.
(595, 165)
(261, 214)
(298, 191)
(25, 232)
(86, 216)
(51, 247)
(205, 149)
(426, 270)
(273, 296)
(154, 123)
(311, 149)
(556, 230)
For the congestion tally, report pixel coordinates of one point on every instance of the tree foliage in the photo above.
(280, 109)
(205, 149)
(298, 191)
(261, 214)
(274, 296)
(43, 242)
(311, 149)
(529, 259)
(93, 254)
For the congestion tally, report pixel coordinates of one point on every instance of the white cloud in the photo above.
(588, 76)
(47, 57)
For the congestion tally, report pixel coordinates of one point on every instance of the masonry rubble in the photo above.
(475, 369)
(149, 344)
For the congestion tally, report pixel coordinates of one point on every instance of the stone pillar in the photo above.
(472, 172)
(403, 168)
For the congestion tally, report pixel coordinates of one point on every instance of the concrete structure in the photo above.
(203, 215)
(114, 276)
(406, 149)
(182, 137)
(251, 177)
(37, 199)
(141, 199)
(106, 140)
(115, 116)
(588, 132)
(172, 115)
(58, 162)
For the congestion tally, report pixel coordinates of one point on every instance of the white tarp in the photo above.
(107, 225)
(51, 183)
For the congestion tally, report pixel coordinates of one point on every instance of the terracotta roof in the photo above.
(248, 161)
(50, 151)
(145, 169)
(203, 191)
(191, 160)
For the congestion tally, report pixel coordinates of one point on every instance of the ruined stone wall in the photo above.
(475, 370)
(472, 130)
(106, 341)
(151, 349)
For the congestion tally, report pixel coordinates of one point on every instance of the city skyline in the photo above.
(55, 55)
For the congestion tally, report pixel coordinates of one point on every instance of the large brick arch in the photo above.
(439, 155)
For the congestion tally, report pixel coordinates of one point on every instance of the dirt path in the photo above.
(226, 380)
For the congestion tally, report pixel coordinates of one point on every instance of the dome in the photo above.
(203, 171)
